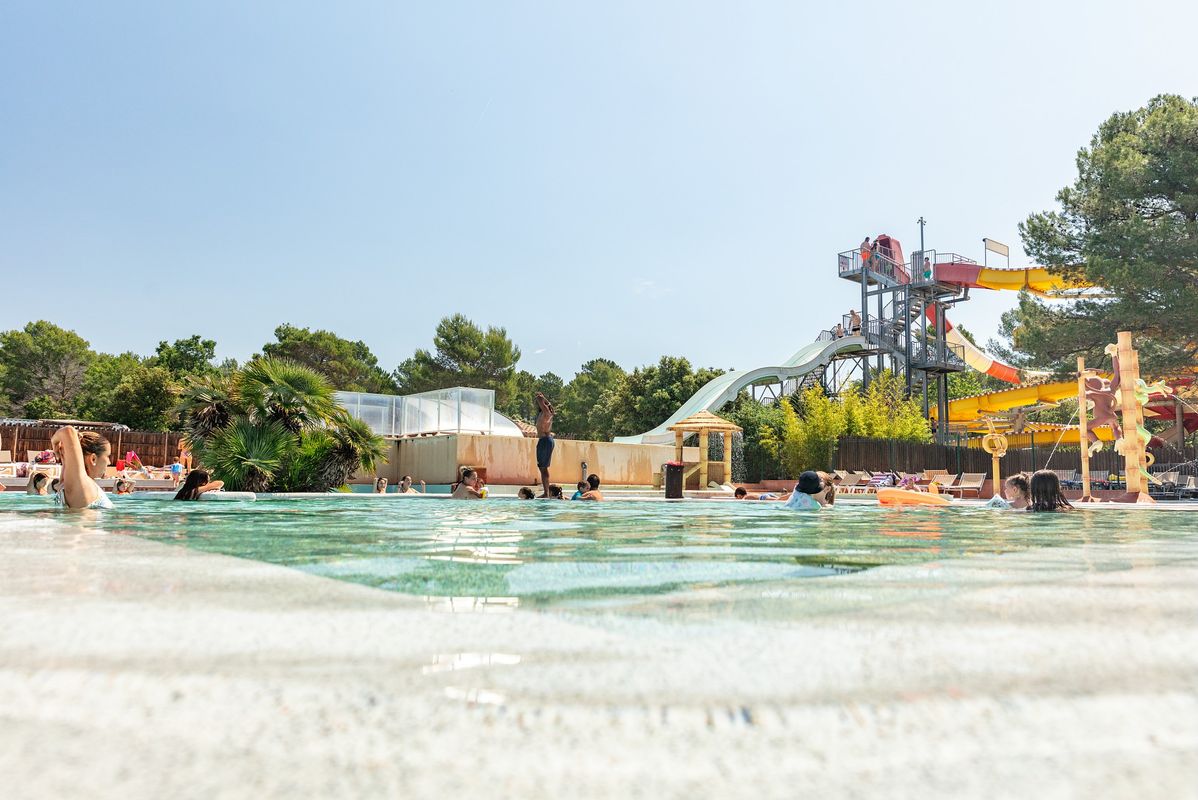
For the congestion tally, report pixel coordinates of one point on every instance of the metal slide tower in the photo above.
(902, 319)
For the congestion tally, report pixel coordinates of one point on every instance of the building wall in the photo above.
(511, 461)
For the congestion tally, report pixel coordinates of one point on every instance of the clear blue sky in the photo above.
(559, 169)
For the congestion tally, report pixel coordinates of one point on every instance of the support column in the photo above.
(1179, 418)
(678, 437)
(1127, 388)
(727, 457)
(1083, 425)
(703, 437)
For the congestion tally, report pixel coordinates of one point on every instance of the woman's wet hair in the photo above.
(92, 443)
(740, 491)
(555, 492)
(1045, 492)
(37, 480)
(1019, 481)
(525, 493)
(593, 481)
(190, 490)
(468, 473)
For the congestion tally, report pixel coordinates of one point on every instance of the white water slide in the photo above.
(724, 389)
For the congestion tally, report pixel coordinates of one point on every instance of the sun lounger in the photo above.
(970, 482)
(878, 480)
(945, 481)
(850, 481)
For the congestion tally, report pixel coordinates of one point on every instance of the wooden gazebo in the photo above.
(705, 423)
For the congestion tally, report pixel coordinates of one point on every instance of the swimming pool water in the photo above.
(504, 553)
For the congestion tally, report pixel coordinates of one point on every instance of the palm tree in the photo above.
(207, 404)
(282, 391)
(354, 447)
(247, 455)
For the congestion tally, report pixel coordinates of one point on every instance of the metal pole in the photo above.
(921, 222)
(864, 319)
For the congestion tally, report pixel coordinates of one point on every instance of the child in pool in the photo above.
(1045, 493)
(808, 494)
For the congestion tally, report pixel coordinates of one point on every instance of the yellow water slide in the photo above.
(969, 409)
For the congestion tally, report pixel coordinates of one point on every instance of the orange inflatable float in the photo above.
(910, 497)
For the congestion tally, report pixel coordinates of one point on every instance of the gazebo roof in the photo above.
(705, 421)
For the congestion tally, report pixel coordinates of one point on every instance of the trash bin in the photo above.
(673, 480)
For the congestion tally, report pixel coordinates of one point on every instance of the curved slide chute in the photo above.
(1037, 280)
(976, 358)
(723, 389)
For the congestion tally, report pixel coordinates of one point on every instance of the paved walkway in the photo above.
(134, 669)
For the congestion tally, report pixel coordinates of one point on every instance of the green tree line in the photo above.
(48, 372)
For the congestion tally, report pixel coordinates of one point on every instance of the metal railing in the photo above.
(850, 262)
(929, 355)
(919, 270)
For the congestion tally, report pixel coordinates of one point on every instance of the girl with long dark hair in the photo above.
(1046, 494)
(196, 484)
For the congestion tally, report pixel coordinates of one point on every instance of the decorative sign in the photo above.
(997, 247)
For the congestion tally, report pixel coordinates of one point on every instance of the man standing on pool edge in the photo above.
(544, 440)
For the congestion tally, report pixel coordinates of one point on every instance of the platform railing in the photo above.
(851, 262)
(927, 354)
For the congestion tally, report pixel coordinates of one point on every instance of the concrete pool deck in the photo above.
(134, 669)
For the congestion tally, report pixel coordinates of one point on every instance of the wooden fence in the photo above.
(883, 454)
(154, 449)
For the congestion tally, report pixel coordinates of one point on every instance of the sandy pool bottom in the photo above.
(133, 669)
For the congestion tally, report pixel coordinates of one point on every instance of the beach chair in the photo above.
(1171, 482)
(970, 482)
(1068, 478)
(5, 456)
(879, 480)
(857, 482)
(944, 482)
(849, 482)
(1189, 489)
(930, 475)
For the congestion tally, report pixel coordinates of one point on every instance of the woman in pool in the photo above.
(1015, 493)
(84, 457)
(469, 488)
(198, 482)
(380, 486)
(39, 483)
(1045, 493)
(405, 486)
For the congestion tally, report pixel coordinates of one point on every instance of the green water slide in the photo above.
(720, 391)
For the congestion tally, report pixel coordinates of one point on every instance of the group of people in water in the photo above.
(1041, 492)
(405, 486)
(85, 455)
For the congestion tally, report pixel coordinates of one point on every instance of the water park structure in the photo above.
(903, 326)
